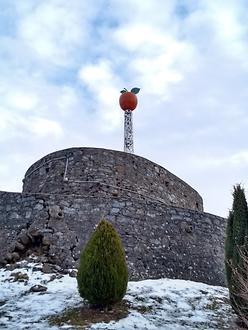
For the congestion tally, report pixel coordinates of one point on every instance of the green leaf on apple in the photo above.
(135, 90)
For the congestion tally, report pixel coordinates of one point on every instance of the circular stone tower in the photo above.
(159, 217)
(102, 172)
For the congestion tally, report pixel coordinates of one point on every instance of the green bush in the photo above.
(236, 252)
(102, 275)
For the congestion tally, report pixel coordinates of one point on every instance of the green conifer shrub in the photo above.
(236, 252)
(102, 275)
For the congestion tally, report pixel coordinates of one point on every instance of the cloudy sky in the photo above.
(63, 63)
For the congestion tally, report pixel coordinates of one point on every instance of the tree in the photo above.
(102, 276)
(236, 251)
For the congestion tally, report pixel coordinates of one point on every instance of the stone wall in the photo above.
(159, 240)
(90, 171)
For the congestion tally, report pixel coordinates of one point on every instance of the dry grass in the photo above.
(84, 316)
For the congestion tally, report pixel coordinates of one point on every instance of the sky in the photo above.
(63, 64)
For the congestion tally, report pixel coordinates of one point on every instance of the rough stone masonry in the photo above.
(159, 217)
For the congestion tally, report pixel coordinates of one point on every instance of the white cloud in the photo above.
(21, 100)
(104, 87)
(226, 23)
(15, 125)
(238, 160)
(44, 127)
(67, 100)
(53, 30)
(157, 59)
(96, 75)
(62, 65)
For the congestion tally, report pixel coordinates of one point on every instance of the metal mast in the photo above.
(128, 131)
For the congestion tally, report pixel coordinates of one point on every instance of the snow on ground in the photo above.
(154, 304)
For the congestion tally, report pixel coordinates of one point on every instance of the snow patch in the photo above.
(154, 304)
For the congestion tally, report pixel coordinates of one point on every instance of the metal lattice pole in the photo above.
(128, 132)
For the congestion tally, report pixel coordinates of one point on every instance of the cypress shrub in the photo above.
(102, 275)
(236, 252)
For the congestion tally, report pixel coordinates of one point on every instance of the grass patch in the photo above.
(215, 304)
(143, 309)
(84, 316)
